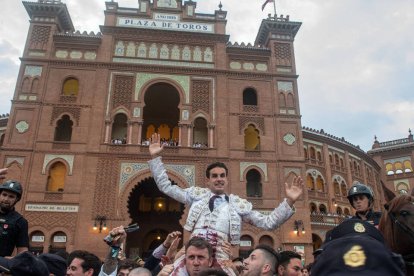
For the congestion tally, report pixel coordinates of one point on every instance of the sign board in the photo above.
(52, 208)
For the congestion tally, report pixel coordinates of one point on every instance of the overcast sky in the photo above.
(355, 58)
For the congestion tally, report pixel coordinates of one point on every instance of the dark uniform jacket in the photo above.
(372, 217)
(13, 232)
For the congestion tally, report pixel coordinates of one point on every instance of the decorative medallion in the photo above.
(75, 54)
(261, 67)
(61, 54)
(33, 71)
(235, 65)
(22, 126)
(289, 139)
(90, 55)
(248, 66)
(355, 257)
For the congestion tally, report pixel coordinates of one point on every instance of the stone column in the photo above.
(140, 132)
(211, 136)
(107, 131)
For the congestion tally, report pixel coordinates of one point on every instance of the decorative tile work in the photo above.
(40, 37)
(62, 54)
(285, 86)
(164, 62)
(199, 53)
(19, 160)
(245, 165)
(244, 120)
(90, 55)
(283, 54)
(22, 126)
(33, 71)
(58, 110)
(183, 81)
(123, 89)
(130, 170)
(50, 157)
(105, 188)
(289, 139)
(75, 54)
(295, 171)
(201, 95)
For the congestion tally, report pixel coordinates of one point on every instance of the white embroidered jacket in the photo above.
(225, 222)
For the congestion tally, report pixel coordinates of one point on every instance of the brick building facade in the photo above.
(85, 104)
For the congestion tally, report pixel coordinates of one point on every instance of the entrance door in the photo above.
(156, 214)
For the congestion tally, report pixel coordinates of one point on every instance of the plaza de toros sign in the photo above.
(169, 22)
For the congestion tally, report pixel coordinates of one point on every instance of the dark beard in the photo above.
(5, 209)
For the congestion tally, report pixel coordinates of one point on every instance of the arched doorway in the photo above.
(156, 214)
(161, 111)
(316, 242)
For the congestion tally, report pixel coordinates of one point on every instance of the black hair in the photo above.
(216, 165)
(270, 254)
(286, 256)
(200, 243)
(89, 261)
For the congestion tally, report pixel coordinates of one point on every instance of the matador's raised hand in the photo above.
(294, 190)
(155, 147)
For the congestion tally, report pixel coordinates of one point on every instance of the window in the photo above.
(310, 182)
(319, 156)
(282, 100)
(322, 209)
(70, 87)
(312, 153)
(312, 208)
(290, 100)
(251, 138)
(200, 133)
(249, 96)
(254, 185)
(320, 184)
(336, 187)
(344, 189)
(119, 129)
(56, 177)
(63, 130)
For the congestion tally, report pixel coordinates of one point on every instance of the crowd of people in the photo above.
(214, 220)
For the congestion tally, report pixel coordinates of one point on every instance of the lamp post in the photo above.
(298, 227)
(100, 223)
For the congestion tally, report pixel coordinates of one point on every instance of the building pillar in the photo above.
(140, 132)
(211, 136)
(107, 132)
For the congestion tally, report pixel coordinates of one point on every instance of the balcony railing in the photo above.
(327, 219)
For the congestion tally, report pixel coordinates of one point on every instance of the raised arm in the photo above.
(159, 173)
(294, 190)
(280, 214)
(155, 147)
(118, 236)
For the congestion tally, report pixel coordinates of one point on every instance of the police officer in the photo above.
(13, 227)
(361, 198)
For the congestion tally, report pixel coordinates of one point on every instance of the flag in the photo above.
(265, 3)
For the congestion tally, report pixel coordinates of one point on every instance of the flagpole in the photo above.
(274, 6)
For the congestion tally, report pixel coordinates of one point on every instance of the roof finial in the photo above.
(220, 6)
